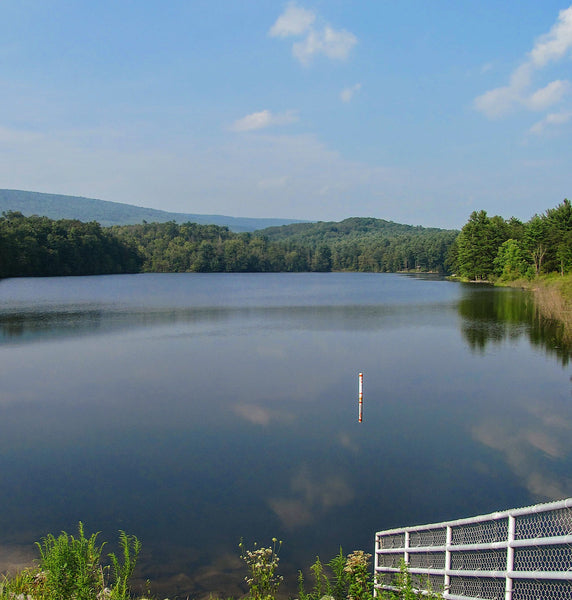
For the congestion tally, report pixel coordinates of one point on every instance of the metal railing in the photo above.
(518, 554)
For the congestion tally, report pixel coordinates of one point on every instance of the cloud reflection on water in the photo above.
(311, 495)
(261, 415)
(532, 447)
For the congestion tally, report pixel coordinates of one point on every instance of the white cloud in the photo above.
(551, 119)
(549, 95)
(497, 102)
(293, 21)
(325, 40)
(329, 42)
(550, 47)
(556, 42)
(348, 93)
(263, 119)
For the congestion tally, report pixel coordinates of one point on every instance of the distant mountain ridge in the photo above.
(58, 206)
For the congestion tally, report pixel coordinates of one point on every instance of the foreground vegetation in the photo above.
(72, 568)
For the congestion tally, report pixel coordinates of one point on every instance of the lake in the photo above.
(193, 410)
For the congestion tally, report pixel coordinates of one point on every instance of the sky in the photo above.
(414, 111)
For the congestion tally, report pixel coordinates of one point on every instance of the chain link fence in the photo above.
(519, 554)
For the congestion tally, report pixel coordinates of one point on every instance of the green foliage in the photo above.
(510, 262)
(37, 246)
(123, 570)
(340, 583)
(263, 580)
(360, 585)
(321, 587)
(492, 247)
(367, 244)
(478, 244)
(406, 589)
(350, 579)
(70, 568)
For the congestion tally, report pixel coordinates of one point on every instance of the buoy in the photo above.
(360, 397)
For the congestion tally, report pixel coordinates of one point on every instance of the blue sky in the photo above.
(413, 111)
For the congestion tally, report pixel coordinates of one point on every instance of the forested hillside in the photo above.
(487, 248)
(368, 244)
(35, 246)
(491, 247)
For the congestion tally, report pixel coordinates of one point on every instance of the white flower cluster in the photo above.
(357, 561)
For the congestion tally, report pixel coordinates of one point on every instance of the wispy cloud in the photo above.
(264, 119)
(551, 47)
(324, 39)
(549, 95)
(348, 93)
(550, 120)
(293, 21)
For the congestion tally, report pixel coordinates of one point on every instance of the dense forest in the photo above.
(490, 248)
(38, 246)
(487, 248)
(34, 246)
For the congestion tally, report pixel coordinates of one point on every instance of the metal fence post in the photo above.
(447, 577)
(509, 557)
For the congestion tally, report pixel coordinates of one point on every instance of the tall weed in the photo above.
(70, 567)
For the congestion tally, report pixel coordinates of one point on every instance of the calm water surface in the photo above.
(193, 410)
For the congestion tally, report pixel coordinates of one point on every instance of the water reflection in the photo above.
(492, 316)
(310, 495)
(532, 427)
(192, 411)
(29, 327)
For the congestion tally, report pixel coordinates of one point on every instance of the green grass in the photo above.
(72, 568)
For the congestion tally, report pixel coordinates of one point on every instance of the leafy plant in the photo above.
(263, 579)
(321, 583)
(406, 590)
(70, 567)
(360, 579)
(122, 571)
(339, 587)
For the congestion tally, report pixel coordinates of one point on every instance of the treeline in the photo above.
(487, 248)
(39, 246)
(368, 244)
(491, 248)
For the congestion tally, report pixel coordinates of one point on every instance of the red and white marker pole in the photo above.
(360, 397)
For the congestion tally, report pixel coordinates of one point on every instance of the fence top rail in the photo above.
(495, 516)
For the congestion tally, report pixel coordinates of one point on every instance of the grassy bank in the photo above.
(553, 297)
